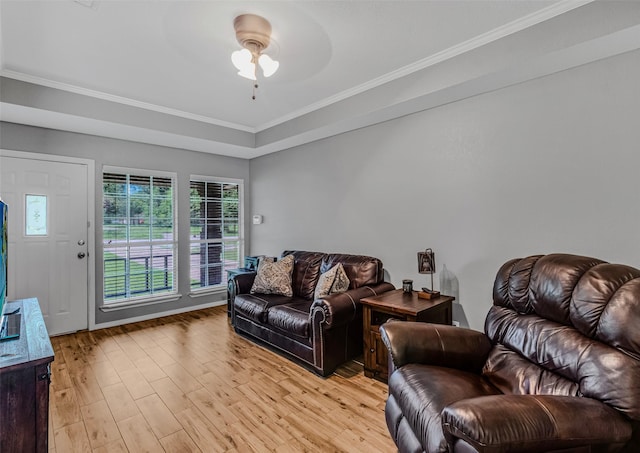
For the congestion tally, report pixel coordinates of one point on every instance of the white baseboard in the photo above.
(121, 322)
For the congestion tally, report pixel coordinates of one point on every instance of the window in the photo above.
(216, 241)
(139, 238)
(35, 221)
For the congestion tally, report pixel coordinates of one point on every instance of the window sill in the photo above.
(139, 302)
(208, 291)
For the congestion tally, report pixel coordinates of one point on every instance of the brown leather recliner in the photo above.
(321, 333)
(557, 369)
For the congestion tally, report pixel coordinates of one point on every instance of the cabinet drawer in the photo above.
(378, 318)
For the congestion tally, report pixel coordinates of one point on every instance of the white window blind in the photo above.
(216, 241)
(139, 236)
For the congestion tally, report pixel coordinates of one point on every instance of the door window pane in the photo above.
(35, 215)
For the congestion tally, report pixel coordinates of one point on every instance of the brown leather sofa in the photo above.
(323, 333)
(557, 369)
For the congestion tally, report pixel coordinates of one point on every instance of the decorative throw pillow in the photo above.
(274, 278)
(333, 281)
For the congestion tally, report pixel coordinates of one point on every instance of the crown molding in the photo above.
(599, 48)
(31, 116)
(478, 41)
(121, 100)
(537, 17)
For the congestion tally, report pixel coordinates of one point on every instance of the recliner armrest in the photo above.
(533, 423)
(435, 344)
(339, 309)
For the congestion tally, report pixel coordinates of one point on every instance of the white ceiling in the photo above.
(173, 57)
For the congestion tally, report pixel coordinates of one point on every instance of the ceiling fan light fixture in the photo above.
(269, 66)
(243, 61)
(249, 72)
(254, 35)
(240, 58)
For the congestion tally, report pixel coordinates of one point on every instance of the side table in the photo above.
(396, 305)
(25, 375)
(231, 286)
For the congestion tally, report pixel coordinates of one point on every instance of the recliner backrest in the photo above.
(567, 325)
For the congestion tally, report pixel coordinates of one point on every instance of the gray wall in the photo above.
(550, 165)
(106, 151)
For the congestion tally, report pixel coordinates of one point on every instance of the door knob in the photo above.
(81, 255)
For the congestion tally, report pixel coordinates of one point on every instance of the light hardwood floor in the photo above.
(189, 383)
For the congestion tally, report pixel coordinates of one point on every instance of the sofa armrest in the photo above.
(244, 282)
(534, 423)
(339, 309)
(435, 344)
(238, 284)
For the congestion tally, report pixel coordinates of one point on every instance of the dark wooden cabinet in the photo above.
(396, 305)
(24, 383)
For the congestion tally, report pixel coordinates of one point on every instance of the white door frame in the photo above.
(91, 215)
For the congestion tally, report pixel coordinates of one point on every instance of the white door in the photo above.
(47, 238)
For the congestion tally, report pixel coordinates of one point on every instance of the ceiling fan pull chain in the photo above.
(255, 87)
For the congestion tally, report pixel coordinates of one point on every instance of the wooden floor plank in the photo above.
(179, 442)
(159, 355)
(203, 432)
(182, 378)
(136, 383)
(149, 369)
(72, 438)
(113, 447)
(158, 415)
(99, 423)
(60, 378)
(138, 436)
(256, 420)
(175, 399)
(73, 354)
(120, 402)
(120, 360)
(51, 439)
(105, 373)
(64, 408)
(86, 386)
(250, 440)
(215, 410)
(189, 383)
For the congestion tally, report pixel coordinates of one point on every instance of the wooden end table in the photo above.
(396, 305)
